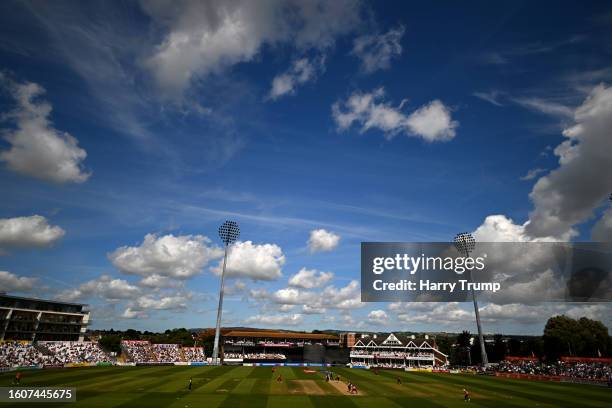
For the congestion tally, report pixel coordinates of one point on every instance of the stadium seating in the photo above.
(166, 353)
(194, 354)
(588, 371)
(21, 354)
(255, 356)
(137, 351)
(64, 352)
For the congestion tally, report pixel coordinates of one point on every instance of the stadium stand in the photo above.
(193, 354)
(395, 351)
(599, 371)
(137, 351)
(21, 354)
(32, 319)
(166, 353)
(259, 345)
(255, 356)
(64, 352)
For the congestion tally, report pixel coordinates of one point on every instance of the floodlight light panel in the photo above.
(229, 232)
(465, 242)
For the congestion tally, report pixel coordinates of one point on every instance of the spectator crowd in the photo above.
(194, 354)
(15, 353)
(142, 351)
(255, 356)
(166, 353)
(137, 351)
(586, 371)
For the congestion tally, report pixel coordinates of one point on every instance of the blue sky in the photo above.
(378, 121)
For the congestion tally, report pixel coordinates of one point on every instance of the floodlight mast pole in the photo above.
(463, 242)
(228, 232)
(215, 356)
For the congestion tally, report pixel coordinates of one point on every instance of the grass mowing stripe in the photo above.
(261, 386)
(328, 388)
(250, 401)
(123, 379)
(500, 390)
(144, 400)
(471, 382)
(423, 398)
(283, 401)
(578, 392)
(61, 376)
(245, 386)
(285, 372)
(329, 401)
(135, 384)
(427, 388)
(154, 387)
(229, 384)
(261, 372)
(416, 401)
(298, 372)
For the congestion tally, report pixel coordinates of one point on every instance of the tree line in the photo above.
(562, 336)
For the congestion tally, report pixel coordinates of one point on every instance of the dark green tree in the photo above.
(111, 342)
(583, 337)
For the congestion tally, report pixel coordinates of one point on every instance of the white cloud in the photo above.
(346, 298)
(172, 302)
(130, 313)
(437, 313)
(453, 314)
(532, 173)
(158, 281)
(104, 287)
(600, 311)
(310, 278)
(293, 296)
(10, 282)
(432, 122)
(38, 149)
(253, 261)
(307, 309)
(203, 38)
(259, 294)
(342, 320)
(526, 314)
(275, 320)
(499, 228)
(302, 71)
(378, 317)
(538, 314)
(140, 307)
(322, 241)
(569, 194)
(376, 51)
(602, 230)
(491, 97)
(32, 231)
(179, 257)
(238, 287)
(545, 106)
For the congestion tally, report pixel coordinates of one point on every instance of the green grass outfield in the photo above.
(215, 387)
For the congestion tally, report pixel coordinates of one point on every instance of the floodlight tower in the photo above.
(465, 243)
(229, 233)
